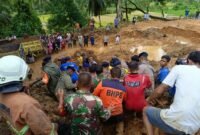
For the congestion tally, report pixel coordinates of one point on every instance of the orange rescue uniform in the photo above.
(112, 93)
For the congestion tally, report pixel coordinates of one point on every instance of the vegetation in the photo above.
(20, 17)
(25, 21)
(96, 7)
(64, 15)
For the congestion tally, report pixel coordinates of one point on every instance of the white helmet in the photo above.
(12, 69)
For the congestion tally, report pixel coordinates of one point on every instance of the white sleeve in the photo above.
(171, 77)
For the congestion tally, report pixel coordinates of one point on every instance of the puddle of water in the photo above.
(181, 42)
(155, 52)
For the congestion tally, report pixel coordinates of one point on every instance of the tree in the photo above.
(64, 15)
(5, 18)
(96, 7)
(25, 21)
(161, 4)
(144, 5)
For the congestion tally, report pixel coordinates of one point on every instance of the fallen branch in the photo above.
(151, 16)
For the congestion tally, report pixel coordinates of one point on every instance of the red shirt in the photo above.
(135, 85)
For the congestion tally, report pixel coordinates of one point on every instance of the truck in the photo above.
(14, 47)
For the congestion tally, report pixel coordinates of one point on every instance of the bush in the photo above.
(65, 16)
(25, 21)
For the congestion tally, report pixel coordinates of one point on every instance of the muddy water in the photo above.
(155, 52)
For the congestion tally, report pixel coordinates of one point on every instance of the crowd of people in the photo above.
(57, 42)
(95, 93)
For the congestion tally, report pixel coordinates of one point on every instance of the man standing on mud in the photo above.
(146, 69)
(112, 93)
(26, 116)
(51, 74)
(84, 108)
(183, 116)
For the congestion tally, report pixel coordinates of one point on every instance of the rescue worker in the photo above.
(51, 75)
(135, 85)
(27, 117)
(116, 62)
(65, 83)
(84, 108)
(112, 93)
(146, 69)
(106, 70)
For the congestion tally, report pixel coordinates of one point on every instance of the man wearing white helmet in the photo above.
(26, 113)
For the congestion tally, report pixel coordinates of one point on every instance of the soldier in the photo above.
(51, 74)
(84, 108)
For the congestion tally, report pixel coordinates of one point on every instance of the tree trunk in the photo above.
(126, 4)
(163, 13)
(119, 11)
(100, 20)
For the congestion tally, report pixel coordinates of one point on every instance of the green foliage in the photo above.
(95, 7)
(25, 21)
(5, 18)
(64, 15)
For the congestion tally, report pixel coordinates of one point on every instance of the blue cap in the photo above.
(68, 65)
(115, 62)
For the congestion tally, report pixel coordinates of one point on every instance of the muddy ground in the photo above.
(176, 38)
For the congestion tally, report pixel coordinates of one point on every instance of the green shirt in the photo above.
(85, 110)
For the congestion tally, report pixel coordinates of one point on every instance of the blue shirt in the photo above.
(163, 72)
(74, 77)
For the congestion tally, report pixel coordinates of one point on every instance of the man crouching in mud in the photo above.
(22, 113)
(183, 116)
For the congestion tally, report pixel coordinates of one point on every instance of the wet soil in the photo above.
(176, 38)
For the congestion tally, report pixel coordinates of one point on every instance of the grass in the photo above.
(44, 18)
(109, 18)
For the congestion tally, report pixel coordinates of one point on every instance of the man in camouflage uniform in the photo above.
(51, 75)
(85, 109)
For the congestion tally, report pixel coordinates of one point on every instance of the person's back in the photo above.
(53, 73)
(106, 38)
(136, 85)
(65, 83)
(186, 103)
(116, 22)
(145, 68)
(26, 113)
(26, 110)
(84, 109)
(111, 92)
(183, 115)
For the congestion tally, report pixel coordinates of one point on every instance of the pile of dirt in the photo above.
(48, 103)
(150, 33)
(169, 36)
(9, 47)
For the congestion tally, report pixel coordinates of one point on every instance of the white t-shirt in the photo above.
(117, 39)
(184, 112)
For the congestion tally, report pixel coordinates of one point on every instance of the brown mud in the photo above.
(176, 38)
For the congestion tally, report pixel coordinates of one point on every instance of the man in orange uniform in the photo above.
(112, 93)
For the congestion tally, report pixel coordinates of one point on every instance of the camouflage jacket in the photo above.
(85, 111)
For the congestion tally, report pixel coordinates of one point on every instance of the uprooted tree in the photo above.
(143, 6)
